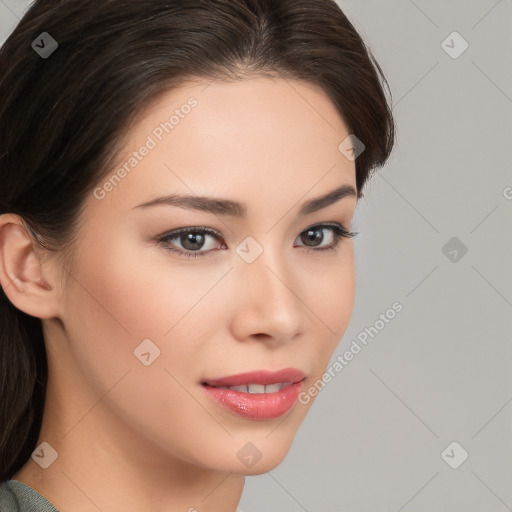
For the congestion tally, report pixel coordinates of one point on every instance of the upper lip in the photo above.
(259, 377)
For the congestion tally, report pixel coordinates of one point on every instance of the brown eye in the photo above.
(193, 241)
(313, 236)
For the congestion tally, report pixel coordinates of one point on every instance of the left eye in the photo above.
(192, 239)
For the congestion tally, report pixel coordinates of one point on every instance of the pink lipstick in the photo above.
(258, 395)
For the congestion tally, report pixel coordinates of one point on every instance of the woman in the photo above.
(178, 185)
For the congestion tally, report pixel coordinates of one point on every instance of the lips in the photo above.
(260, 377)
(260, 406)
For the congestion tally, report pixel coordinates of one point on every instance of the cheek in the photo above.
(126, 294)
(121, 298)
(136, 288)
(332, 292)
(330, 305)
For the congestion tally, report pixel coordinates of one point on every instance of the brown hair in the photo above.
(63, 118)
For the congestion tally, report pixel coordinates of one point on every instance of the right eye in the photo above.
(190, 239)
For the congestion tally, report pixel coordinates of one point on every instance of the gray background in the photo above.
(440, 371)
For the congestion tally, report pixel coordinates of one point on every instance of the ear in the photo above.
(24, 276)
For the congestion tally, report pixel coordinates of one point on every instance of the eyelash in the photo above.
(338, 230)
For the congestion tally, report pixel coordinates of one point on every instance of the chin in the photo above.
(258, 455)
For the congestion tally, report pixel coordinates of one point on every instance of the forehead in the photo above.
(278, 138)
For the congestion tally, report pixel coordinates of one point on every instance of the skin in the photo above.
(132, 437)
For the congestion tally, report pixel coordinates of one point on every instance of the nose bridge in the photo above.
(268, 290)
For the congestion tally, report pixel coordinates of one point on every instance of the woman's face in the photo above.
(146, 322)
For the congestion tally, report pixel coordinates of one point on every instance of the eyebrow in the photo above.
(232, 208)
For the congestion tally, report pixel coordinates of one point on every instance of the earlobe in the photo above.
(22, 273)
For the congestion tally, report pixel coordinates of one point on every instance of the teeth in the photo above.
(258, 388)
(242, 388)
(272, 388)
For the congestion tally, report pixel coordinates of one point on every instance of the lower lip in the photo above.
(256, 406)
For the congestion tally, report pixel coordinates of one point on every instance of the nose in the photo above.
(270, 306)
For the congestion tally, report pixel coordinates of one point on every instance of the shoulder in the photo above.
(15, 496)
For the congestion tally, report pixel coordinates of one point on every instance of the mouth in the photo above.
(258, 395)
